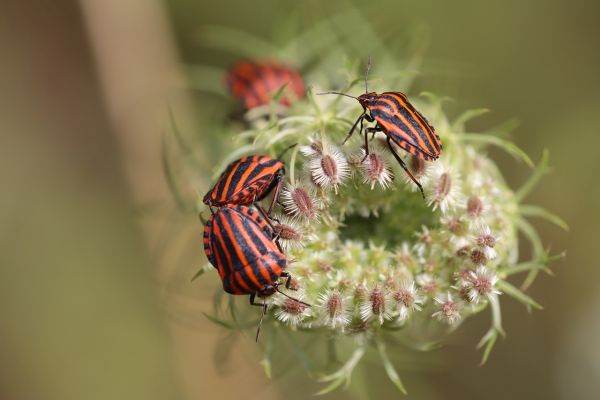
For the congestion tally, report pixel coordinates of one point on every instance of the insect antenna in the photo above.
(341, 94)
(290, 297)
(264, 311)
(367, 74)
(286, 150)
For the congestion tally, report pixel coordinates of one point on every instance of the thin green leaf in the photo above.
(538, 248)
(331, 387)
(515, 293)
(536, 211)
(501, 130)
(488, 340)
(300, 354)
(389, 367)
(171, 179)
(524, 267)
(506, 145)
(540, 170)
(218, 321)
(344, 374)
(201, 272)
(459, 123)
(266, 360)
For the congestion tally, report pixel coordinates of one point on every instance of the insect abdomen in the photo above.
(405, 125)
(242, 250)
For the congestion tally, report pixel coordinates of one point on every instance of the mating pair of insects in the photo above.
(239, 238)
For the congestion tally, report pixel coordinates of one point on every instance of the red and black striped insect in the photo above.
(254, 82)
(238, 242)
(400, 121)
(246, 181)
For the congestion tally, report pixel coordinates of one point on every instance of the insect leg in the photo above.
(268, 220)
(403, 165)
(353, 128)
(288, 279)
(254, 303)
(276, 192)
(262, 315)
(367, 131)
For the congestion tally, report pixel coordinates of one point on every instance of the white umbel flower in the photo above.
(300, 201)
(291, 234)
(333, 310)
(448, 309)
(407, 299)
(376, 306)
(481, 283)
(291, 311)
(418, 167)
(444, 189)
(486, 241)
(375, 169)
(330, 169)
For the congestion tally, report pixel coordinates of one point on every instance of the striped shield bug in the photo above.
(238, 242)
(248, 180)
(254, 82)
(401, 123)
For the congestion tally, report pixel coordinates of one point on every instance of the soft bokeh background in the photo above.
(83, 103)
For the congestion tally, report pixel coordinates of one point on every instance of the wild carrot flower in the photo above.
(376, 305)
(368, 260)
(443, 188)
(329, 169)
(300, 201)
(481, 283)
(448, 309)
(333, 309)
(407, 299)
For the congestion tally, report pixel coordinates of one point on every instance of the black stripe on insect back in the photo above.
(235, 179)
(394, 120)
(258, 242)
(223, 179)
(422, 121)
(228, 244)
(402, 109)
(258, 237)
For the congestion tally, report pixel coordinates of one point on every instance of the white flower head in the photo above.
(300, 201)
(448, 309)
(481, 283)
(375, 169)
(290, 233)
(418, 167)
(486, 241)
(407, 299)
(444, 189)
(291, 310)
(333, 309)
(376, 306)
(314, 149)
(427, 283)
(476, 207)
(329, 169)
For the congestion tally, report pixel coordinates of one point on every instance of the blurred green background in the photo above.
(88, 302)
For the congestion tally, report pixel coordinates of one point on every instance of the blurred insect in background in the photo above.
(400, 121)
(238, 242)
(255, 82)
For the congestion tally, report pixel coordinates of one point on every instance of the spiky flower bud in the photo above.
(448, 309)
(299, 201)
